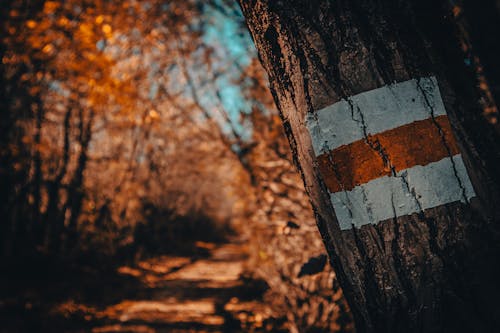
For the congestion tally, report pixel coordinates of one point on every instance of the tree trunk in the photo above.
(385, 121)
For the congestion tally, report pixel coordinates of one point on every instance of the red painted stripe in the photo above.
(417, 143)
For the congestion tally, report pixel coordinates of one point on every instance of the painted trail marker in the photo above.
(388, 152)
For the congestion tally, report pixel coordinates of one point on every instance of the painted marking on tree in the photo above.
(380, 109)
(388, 152)
(387, 197)
(359, 162)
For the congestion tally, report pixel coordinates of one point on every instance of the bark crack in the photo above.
(368, 205)
(393, 207)
(443, 139)
(333, 165)
(411, 190)
(377, 147)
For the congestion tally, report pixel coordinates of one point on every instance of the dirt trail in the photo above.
(201, 293)
(179, 294)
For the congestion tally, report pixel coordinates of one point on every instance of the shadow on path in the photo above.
(160, 294)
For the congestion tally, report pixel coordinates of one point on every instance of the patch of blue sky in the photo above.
(231, 95)
(165, 7)
(223, 30)
(146, 5)
(154, 67)
(136, 33)
(234, 104)
(101, 45)
(57, 87)
(153, 90)
(233, 50)
(115, 50)
(136, 50)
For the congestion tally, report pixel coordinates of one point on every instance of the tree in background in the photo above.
(130, 126)
(94, 115)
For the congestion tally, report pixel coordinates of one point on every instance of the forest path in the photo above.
(181, 294)
(200, 293)
(187, 294)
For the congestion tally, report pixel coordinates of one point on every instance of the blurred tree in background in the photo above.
(139, 127)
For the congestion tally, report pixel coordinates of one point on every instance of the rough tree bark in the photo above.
(433, 270)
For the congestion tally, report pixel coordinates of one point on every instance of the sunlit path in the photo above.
(172, 294)
(185, 294)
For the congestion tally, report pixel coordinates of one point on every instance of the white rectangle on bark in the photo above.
(373, 112)
(411, 191)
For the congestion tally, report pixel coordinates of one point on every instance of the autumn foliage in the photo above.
(127, 129)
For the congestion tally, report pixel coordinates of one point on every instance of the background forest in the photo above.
(135, 129)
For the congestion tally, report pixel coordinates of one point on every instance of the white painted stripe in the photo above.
(378, 110)
(383, 198)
